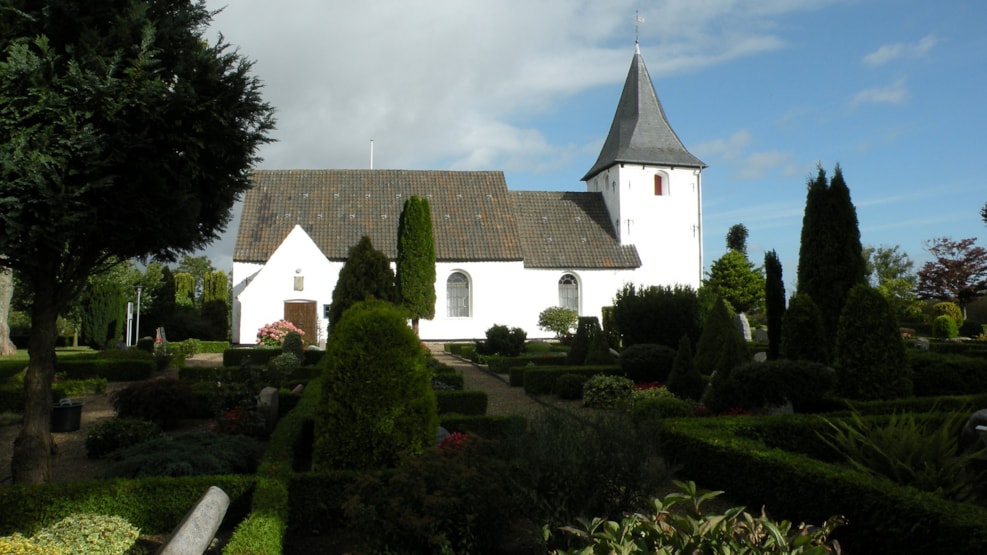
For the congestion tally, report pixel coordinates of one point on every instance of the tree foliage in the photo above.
(124, 134)
(721, 347)
(657, 314)
(890, 272)
(684, 380)
(802, 331)
(415, 275)
(831, 258)
(366, 275)
(558, 320)
(737, 281)
(737, 238)
(377, 402)
(774, 301)
(957, 273)
(870, 356)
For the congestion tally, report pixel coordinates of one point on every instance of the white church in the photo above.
(502, 256)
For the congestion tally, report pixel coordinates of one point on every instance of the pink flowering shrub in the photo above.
(453, 442)
(272, 335)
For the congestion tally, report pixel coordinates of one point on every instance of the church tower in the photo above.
(651, 185)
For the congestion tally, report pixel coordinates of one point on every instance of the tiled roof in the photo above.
(640, 132)
(472, 217)
(569, 230)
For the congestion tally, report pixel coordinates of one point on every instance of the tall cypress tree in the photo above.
(830, 256)
(774, 302)
(366, 274)
(415, 276)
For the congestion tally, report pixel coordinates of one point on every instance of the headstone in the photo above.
(743, 326)
(440, 434)
(922, 343)
(971, 435)
(760, 356)
(267, 407)
(298, 389)
(761, 335)
(198, 528)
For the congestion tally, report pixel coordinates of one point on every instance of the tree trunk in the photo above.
(31, 463)
(7, 346)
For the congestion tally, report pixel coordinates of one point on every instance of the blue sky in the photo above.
(761, 90)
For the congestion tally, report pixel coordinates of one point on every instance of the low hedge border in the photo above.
(263, 531)
(490, 427)
(155, 505)
(503, 365)
(232, 373)
(541, 381)
(113, 370)
(883, 517)
(462, 402)
(261, 355)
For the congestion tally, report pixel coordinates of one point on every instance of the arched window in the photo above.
(569, 292)
(458, 295)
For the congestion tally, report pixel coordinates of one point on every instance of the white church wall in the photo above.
(666, 228)
(261, 300)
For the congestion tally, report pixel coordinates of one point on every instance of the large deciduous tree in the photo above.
(890, 272)
(123, 134)
(958, 272)
(736, 280)
(831, 258)
(7, 346)
(414, 278)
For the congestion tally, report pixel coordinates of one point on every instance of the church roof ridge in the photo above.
(640, 132)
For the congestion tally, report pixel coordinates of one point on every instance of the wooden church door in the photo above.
(302, 314)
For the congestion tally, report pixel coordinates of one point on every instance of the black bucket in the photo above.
(66, 416)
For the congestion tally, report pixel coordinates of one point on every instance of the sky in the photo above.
(763, 91)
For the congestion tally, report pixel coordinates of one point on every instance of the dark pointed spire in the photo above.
(640, 133)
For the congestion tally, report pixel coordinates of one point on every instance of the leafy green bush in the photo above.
(656, 314)
(588, 346)
(558, 320)
(658, 407)
(502, 340)
(377, 401)
(946, 309)
(677, 524)
(685, 381)
(570, 386)
(188, 455)
(647, 362)
(607, 392)
(944, 374)
(870, 355)
(764, 384)
(281, 368)
(88, 533)
(162, 401)
(803, 335)
(292, 343)
(910, 452)
(564, 468)
(944, 327)
(109, 435)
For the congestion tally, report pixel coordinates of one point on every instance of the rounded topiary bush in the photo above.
(946, 308)
(944, 327)
(292, 343)
(802, 331)
(198, 454)
(607, 392)
(107, 436)
(504, 341)
(161, 400)
(870, 355)
(647, 362)
(87, 533)
(660, 407)
(377, 401)
(570, 386)
(685, 381)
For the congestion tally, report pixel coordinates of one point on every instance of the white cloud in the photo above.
(896, 93)
(891, 52)
(728, 148)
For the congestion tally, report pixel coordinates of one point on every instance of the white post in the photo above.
(130, 322)
(138, 332)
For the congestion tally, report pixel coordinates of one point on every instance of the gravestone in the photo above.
(198, 528)
(267, 407)
(760, 356)
(761, 335)
(922, 343)
(743, 326)
(971, 435)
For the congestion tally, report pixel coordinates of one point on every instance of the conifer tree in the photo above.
(685, 381)
(415, 276)
(366, 274)
(802, 331)
(831, 258)
(721, 347)
(774, 293)
(870, 356)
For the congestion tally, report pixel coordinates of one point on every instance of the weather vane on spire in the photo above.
(638, 19)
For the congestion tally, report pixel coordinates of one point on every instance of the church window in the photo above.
(658, 185)
(569, 292)
(458, 296)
